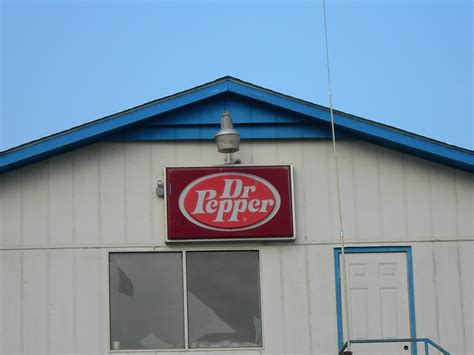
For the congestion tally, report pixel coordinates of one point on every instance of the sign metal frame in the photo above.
(233, 239)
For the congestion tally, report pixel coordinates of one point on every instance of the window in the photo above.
(148, 297)
(146, 301)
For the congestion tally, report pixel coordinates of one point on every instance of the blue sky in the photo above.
(403, 63)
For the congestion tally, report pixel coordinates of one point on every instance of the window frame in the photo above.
(183, 252)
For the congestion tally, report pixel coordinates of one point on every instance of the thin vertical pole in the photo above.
(346, 318)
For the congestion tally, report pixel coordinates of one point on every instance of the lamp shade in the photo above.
(227, 138)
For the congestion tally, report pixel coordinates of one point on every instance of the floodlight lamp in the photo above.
(227, 138)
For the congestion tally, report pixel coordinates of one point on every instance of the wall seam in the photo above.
(74, 287)
(308, 300)
(282, 298)
(405, 199)
(74, 209)
(461, 295)
(22, 297)
(379, 194)
(236, 244)
(435, 287)
(124, 192)
(99, 193)
(48, 304)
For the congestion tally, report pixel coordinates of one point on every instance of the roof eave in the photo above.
(359, 127)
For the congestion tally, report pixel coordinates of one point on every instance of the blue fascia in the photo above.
(368, 130)
(346, 124)
(97, 130)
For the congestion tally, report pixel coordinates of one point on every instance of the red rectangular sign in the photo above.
(232, 202)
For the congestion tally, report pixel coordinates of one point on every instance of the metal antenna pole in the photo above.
(346, 321)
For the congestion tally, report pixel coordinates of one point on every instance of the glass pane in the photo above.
(146, 301)
(224, 299)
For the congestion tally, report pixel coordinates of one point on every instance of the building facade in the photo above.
(80, 216)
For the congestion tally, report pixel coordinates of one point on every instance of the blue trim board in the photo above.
(411, 293)
(253, 106)
(368, 130)
(207, 132)
(254, 120)
(96, 130)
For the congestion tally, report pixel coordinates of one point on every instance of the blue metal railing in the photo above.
(427, 342)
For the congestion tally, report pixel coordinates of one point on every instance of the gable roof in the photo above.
(115, 126)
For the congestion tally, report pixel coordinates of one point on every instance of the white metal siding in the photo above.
(104, 194)
(60, 217)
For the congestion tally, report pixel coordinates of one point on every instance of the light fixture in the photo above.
(160, 189)
(227, 138)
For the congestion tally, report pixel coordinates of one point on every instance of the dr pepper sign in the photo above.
(229, 203)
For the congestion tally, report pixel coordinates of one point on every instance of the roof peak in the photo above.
(361, 128)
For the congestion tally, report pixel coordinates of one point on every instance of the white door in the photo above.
(377, 286)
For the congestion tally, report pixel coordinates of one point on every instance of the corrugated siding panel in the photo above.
(112, 193)
(367, 189)
(287, 152)
(87, 196)
(90, 323)
(417, 195)
(465, 204)
(425, 297)
(61, 200)
(140, 186)
(294, 289)
(392, 195)
(443, 201)
(466, 251)
(11, 334)
(321, 283)
(273, 324)
(320, 220)
(161, 154)
(35, 303)
(449, 302)
(35, 197)
(11, 209)
(105, 193)
(62, 295)
(103, 196)
(345, 152)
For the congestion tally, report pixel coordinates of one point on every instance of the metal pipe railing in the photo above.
(426, 342)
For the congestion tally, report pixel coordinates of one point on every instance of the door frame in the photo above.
(411, 294)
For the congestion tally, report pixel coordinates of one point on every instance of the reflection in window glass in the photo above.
(146, 301)
(223, 299)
